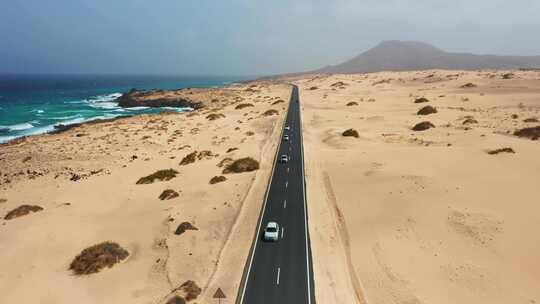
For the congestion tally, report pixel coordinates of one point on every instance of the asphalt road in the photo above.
(281, 272)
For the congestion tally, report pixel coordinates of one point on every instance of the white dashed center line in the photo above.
(284, 204)
(278, 272)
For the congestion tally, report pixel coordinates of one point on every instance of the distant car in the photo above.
(284, 159)
(287, 128)
(271, 232)
(286, 137)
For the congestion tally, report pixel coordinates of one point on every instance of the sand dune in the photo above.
(404, 216)
(85, 179)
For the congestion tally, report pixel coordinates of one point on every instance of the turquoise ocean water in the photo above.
(34, 104)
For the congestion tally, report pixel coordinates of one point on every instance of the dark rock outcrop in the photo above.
(136, 98)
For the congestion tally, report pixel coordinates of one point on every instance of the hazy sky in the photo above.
(246, 37)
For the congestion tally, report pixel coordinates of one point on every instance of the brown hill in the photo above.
(410, 55)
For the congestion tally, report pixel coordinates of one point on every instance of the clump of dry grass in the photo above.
(468, 85)
(421, 100)
(427, 110)
(469, 121)
(176, 300)
(270, 112)
(188, 159)
(245, 164)
(243, 105)
(190, 289)
(231, 149)
(422, 126)
(3, 200)
(278, 101)
(93, 259)
(532, 132)
(161, 175)
(168, 194)
(501, 150)
(217, 179)
(313, 88)
(183, 227)
(351, 132)
(532, 119)
(21, 211)
(508, 76)
(352, 103)
(215, 116)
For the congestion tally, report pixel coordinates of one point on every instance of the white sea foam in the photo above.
(4, 139)
(187, 109)
(18, 127)
(137, 108)
(104, 101)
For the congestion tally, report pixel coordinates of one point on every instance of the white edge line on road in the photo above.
(278, 272)
(305, 203)
(264, 204)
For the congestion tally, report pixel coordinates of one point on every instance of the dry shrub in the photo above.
(21, 211)
(468, 85)
(3, 200)
(93, 259)
(183, 227)
(243, 105)
(270, 112)
(168, 194)
(190, 289)
(427, 110)
(231, 149)
(508, 76)
(217, 179)
(421, 100)
(532, 119)
(422, 126)
(161, 175)
(313, 88)
(350, 132)
(188, 159)
(176, 300)
(278, 101)
(502, 150)
(205, 154)
(532, 132)
(245, 164)
(352, 103)
(225, 162)
(214, 116)
(469, 121)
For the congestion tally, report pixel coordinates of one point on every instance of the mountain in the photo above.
(410, 55)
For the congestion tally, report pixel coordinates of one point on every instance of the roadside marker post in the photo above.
(219, 295)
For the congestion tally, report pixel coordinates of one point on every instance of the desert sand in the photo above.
(403, 216)
(85, 181)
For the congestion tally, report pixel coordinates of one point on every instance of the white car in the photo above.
(287, 128)
(284, 159)
(286, 137)
(271, 232)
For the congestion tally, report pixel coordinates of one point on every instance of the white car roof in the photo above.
(271, 225)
